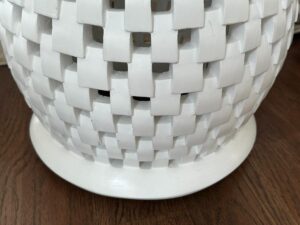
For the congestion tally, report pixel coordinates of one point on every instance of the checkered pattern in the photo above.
(145, 83)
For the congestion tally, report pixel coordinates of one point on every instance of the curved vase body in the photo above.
(145, 84)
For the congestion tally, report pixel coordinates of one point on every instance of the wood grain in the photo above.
(264, 190)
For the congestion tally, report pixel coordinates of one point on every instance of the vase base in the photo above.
(147, 184)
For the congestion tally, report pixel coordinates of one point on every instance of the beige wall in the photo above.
(2, 61)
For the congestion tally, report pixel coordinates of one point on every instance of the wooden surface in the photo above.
(264, 190)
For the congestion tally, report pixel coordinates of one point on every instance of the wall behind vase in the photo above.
(2, 60)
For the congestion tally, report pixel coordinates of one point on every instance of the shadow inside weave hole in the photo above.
(147, 99)
(117, 4)
(207, 3)
(104, 93)
(184, 36)
(141, 99)
(160, 67)
(120, 66)
(74, 59)
(161, 5)
(97, 33)
(141, 39)
(156, 5)
(165, 5)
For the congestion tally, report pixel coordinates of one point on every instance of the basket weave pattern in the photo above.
(141, 82)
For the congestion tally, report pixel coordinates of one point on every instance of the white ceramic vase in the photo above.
(145, 99)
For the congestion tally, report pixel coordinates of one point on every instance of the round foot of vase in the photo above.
(133, 183)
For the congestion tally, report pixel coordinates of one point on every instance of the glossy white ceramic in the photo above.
(147, 184)
(148, 97)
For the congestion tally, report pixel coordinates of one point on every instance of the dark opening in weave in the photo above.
(160, 5)
(117, 4)
(104, 93)
(141, 39)
(160, 67)
(141, 99)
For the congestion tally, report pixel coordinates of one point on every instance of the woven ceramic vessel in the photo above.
(145, 99)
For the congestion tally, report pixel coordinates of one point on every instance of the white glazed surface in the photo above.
(162, 183)
(204, 69)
